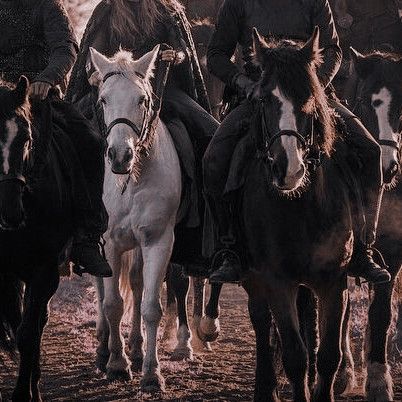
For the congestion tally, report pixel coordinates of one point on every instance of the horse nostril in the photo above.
(128, 155)
(394, 167)
(301, 172)
(111, 153)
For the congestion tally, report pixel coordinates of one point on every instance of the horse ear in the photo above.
(311, 48)
(361, 64)
(259, 46)
(20, 92)
(99, 61)
(145, 66)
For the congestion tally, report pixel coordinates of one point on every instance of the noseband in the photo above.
(146, 119)
(306, 143)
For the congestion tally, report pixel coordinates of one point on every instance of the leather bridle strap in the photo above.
(390, 143)
(125, 121)
(288, 133)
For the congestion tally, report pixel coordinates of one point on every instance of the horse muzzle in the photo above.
(121, 162)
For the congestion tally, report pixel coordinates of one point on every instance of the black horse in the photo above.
(36, 218)
(375, 94)
(296, 217)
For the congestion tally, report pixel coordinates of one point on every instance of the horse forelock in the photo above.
(296, 76)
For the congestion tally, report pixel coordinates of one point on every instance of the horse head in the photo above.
(294, 121)
(15, 140)
(125, 94)
(379, 104)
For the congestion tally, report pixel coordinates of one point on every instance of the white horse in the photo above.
(141, 220)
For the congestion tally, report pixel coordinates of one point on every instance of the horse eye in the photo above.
(141, 101)
(102, 100)
(377, 103)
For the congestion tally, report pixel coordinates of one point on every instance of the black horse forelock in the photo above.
(295, 74)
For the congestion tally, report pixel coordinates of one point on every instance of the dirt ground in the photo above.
(225, 374)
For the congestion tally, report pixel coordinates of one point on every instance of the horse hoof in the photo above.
(208, 330)
(379, 384)
(182, 354)
(152, 383)
(345, 381)
(101, 362)
(118, 375)
(136, 364)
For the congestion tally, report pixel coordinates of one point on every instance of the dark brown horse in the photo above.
(35, 225)
(296, 218)
(378, 102)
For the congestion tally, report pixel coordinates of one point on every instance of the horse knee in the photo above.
(151, 311)
(113, 308)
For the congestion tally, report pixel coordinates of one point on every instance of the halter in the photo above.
(307, 144)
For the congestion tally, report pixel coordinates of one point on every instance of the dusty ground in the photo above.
(226, 374)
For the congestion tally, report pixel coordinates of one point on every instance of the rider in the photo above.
(138, 26)
(294, 19)
(366, 26)
(37, 40)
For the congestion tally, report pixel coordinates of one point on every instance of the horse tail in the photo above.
(125, 285)
(11, 297)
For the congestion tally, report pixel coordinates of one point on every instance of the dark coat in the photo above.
(283, 19)
(175, 31)
(37, 40)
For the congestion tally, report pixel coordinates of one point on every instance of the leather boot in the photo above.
(363, 264)
(87, 256)
(226, 263)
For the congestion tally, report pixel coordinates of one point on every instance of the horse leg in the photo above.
(345, 380)
(169, 333)
(156, 255)
(282, 300)
(102, 327)
(379, 384)
(307, 309)
(118, 365)
(29, 334)
(332, 304)
(265, 378)
(181, 284)
(209, 327)
(198, 311)
(136, 338)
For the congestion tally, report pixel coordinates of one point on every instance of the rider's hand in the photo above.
(39, 90)
(172, 56)
(245, 86)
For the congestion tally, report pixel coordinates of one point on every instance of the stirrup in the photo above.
(220, 256)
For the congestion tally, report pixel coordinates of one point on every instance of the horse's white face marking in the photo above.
(381, 102)
(11, 133)
(289, 143)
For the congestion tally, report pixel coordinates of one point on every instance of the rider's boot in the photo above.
(362, 263)
(88, 256)
(226, 263)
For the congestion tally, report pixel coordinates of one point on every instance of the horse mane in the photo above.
(23, 111)
(298, 81)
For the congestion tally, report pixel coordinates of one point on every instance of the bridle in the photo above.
(311, 156)
(147, 118)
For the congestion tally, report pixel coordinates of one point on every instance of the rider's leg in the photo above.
(94, 220)
(216, 165)
(200, 125)
(369, 153)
